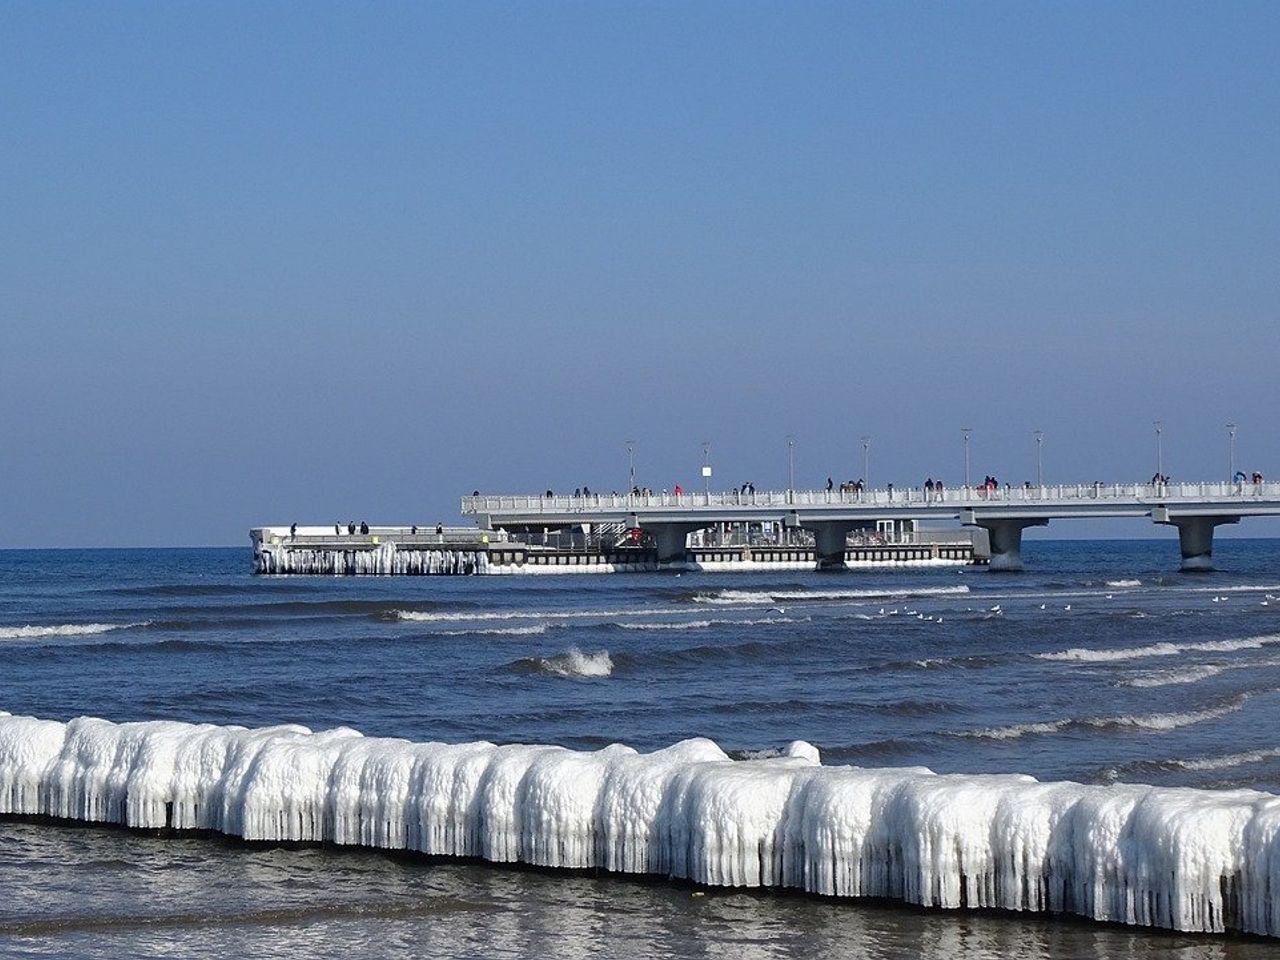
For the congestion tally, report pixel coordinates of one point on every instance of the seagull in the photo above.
(996, 608)
(1067, 607)
(1042, 606)
(1108, 596)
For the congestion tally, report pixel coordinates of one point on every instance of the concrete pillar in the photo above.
(830, 537)
(1195, 537)
(672, 539)
(1005, 537)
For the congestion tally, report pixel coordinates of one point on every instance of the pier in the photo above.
(831, 516)
(389, 551)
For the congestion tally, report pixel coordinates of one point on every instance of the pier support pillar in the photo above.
(1006, 540)
(672, 539)
(1195, 537)
(830, 538)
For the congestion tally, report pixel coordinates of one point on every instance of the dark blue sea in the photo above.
(1100, 663)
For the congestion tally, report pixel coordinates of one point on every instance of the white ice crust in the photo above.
(1182, 858)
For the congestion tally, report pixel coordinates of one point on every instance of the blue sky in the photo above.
(267, 262)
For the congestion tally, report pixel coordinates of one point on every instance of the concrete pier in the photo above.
(830, 515)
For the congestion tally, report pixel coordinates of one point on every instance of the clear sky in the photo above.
(275, 262)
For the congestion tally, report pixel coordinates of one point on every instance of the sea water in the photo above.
(1101, 664)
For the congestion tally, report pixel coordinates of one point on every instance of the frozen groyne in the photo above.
(382, 560)
(1180, 858)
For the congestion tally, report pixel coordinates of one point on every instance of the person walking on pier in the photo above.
(364, 528)
(293, 532)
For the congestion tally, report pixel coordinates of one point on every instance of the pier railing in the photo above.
(1200, 492)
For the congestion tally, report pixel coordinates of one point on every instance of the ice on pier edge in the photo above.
(1182, 858)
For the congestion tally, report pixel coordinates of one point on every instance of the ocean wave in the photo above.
(704, 624)
(30, 632)
(455, 616)
(759, 597)
(532, 629)
(1168, 678)
(1163, 649)
(572, 663)
(1156, 722)
(1124, 583)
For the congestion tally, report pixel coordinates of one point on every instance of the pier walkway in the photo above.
(1195, 509)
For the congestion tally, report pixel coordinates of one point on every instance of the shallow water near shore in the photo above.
(1100, 663)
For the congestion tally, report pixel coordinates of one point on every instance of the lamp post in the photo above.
(1039, 458)
(1159, 425)
(631, 467)
(866, 461)
(706, 469)
(965, 431)
(1231, 452)
(791, 463)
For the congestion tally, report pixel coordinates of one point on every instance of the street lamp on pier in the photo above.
(1039, 458)
(1231, 452)
(791, 462)
(866, 461)
(1159, 425)
(631, 467)
(706, 469)
(965, 431)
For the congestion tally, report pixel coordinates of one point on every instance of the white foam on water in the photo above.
(1237, 588)
(743, 597)
(1194, 674)
(1168, 678)
(1187, 859)
(461, 616)
(1164, 649)
(531, 630)
(1157, 722)
(704, 624)
(1229, 760)
(30, 632)
(574, 663)
(1124, 583)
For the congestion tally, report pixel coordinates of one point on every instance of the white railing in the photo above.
(1198, 492)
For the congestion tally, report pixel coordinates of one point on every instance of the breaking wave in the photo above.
(1169, 678)
(1124, 583)
(66, 630)
(455, 616)
(532, 629)
(757, 597)
(1165, 649)
(1156, 722)
(572, 663)
(704, 624)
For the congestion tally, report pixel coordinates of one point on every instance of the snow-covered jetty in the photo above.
(1184, 859)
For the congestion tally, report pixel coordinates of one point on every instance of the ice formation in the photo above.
(1187, 859)
(385, 559)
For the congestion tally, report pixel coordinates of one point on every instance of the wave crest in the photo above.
(30, 632)
(572, 663)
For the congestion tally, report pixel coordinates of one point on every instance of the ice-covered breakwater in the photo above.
(384, 559)
(1181, 858)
